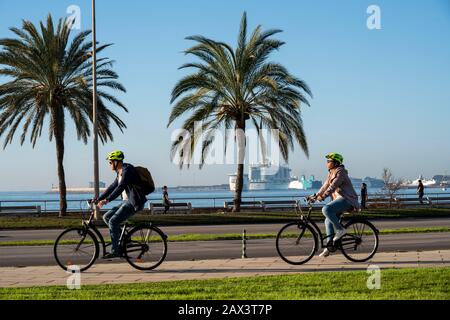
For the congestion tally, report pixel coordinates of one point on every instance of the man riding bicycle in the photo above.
(133, 198)
(343, 196)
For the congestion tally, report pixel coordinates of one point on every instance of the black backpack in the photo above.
(146, 183)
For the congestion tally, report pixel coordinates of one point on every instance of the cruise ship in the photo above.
(267, 177)
(426, 183)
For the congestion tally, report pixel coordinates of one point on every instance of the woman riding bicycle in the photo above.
(343, 196)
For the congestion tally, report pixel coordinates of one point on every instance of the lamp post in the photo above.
(94, 108)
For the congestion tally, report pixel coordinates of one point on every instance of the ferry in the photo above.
(267, 177)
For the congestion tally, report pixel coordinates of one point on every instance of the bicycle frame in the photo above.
(311, 222)
(89, 225)
(133, 248)
(348, 244)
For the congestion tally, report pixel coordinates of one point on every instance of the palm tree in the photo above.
(51, 76)
(230, 87)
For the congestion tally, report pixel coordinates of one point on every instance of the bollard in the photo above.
(244, 244)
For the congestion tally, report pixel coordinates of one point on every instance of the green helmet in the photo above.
(335, 157)
(116, 156)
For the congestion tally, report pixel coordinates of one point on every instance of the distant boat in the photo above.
(89, 189)
(425, 182)
(77, 190)
(264, 177)
(268, 177)
(305, 184)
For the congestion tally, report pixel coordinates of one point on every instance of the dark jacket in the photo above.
(129, 182)
(166, 200)
(420, 188)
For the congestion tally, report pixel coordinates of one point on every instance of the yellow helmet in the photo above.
(116, 156)
(335, 157)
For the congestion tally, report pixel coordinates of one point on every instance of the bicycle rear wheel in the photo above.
(361, 241)
(145, 247)
(76, 249)
(296, 243)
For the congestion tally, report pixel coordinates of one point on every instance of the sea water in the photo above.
(76, 201)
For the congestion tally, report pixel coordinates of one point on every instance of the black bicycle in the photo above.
(297, 242)
(143, 246)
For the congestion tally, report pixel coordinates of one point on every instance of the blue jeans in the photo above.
(332, 211)
(113, 218)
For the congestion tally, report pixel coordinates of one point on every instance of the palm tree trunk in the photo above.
(59, 139)
(61, 177)
(238, 189)
(240, 132)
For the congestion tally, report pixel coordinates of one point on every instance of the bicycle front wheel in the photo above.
(76, 249)
(361, 241)
(145, 247)
(296, 243)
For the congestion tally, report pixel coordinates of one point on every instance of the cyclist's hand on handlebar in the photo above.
(311, 198)
(100, 204)
(314, 198)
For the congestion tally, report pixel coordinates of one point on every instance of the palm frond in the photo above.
(50, 76)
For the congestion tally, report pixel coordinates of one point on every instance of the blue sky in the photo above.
(381, 97)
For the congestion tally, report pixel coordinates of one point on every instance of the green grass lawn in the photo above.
(73, 220)
(213, 237)
(433, 283)
(53, 222)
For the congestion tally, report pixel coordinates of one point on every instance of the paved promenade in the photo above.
(121, 272)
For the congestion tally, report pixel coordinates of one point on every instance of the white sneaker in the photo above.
(339, 234)
(325, 253)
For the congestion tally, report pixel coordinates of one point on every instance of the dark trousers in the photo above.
(113, 218)
(363, 201)
(166, 207)
(421, 197)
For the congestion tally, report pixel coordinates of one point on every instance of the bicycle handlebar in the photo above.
(92, 203)
(310, 200)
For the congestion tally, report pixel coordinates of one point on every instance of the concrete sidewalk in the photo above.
(122, 272)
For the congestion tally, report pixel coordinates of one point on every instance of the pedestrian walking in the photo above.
(363, 195)
(420, 191)
(166, 200)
